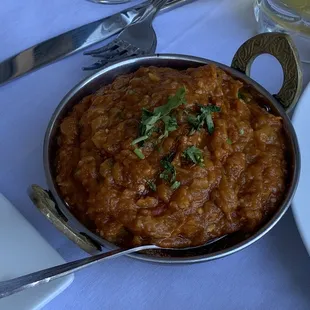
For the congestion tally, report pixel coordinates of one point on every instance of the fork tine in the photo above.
(115, 53)
(116, 57)
(110, 53)
(103, 62)
(111, 46)
(97, 65)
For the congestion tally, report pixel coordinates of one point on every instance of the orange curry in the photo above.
(173, 158)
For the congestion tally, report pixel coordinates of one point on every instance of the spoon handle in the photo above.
(44, 276)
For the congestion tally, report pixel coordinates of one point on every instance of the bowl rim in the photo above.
(200, 61)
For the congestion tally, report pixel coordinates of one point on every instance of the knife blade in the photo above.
(72, 41)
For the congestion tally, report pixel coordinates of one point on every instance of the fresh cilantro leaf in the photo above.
(151, 185)
(193, 154)
(241, 96)
(140, 139)
(175, 185)
(146, 126)
(170, 123)
(165, 175)
(169, 173)
(210, 124)
(173, 102)
(139, 153)
(209, 108)
(246, 97)
(229, 141)
(204, 116)
(196, 123)
(145, 115)
(149, 119)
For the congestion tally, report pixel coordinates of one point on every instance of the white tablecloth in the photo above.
(274, 273)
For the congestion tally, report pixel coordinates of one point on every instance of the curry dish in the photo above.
(173, 158)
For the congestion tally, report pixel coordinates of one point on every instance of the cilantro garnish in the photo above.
(149, 119)
(229, 141)
(175, 185)
(139, 153)
(241, 96)
(244, 96)
(169, 173)
(203, 117)
(147, 125)
(193, 154)
(151, 185)
(170, 123)
(173, 102)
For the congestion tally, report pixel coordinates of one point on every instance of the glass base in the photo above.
(268, 22)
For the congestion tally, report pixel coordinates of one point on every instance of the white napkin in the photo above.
(25, 251)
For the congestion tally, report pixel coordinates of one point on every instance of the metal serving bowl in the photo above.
(51, 204)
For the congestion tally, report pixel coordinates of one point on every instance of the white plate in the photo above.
(23, 250)
(301, 204)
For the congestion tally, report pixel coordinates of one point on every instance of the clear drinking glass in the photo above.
(289, 16)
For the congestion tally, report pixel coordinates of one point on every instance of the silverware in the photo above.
(72, 41)
(13, 286)
(137, 39)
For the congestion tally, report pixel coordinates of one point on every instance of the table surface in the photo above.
(274, 273)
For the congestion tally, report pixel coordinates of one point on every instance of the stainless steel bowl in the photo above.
(279, 45)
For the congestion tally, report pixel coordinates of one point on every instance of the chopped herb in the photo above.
(139, 153)
(151, 185)
(175, 185)
(210, 124)
(203, 117)
(195, 123)
(241, 131)
(241, 96)
(140, 139)
(170, 123)
(149, 119)
(244, 96)
(145, 115)
(229, 141)
(169, 173)
(193, 154)
(147, 125)
(173, 102)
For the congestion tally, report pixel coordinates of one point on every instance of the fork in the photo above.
(138, 38)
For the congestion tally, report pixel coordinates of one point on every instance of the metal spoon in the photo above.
(10, 287)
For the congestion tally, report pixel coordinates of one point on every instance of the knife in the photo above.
(72, 41)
